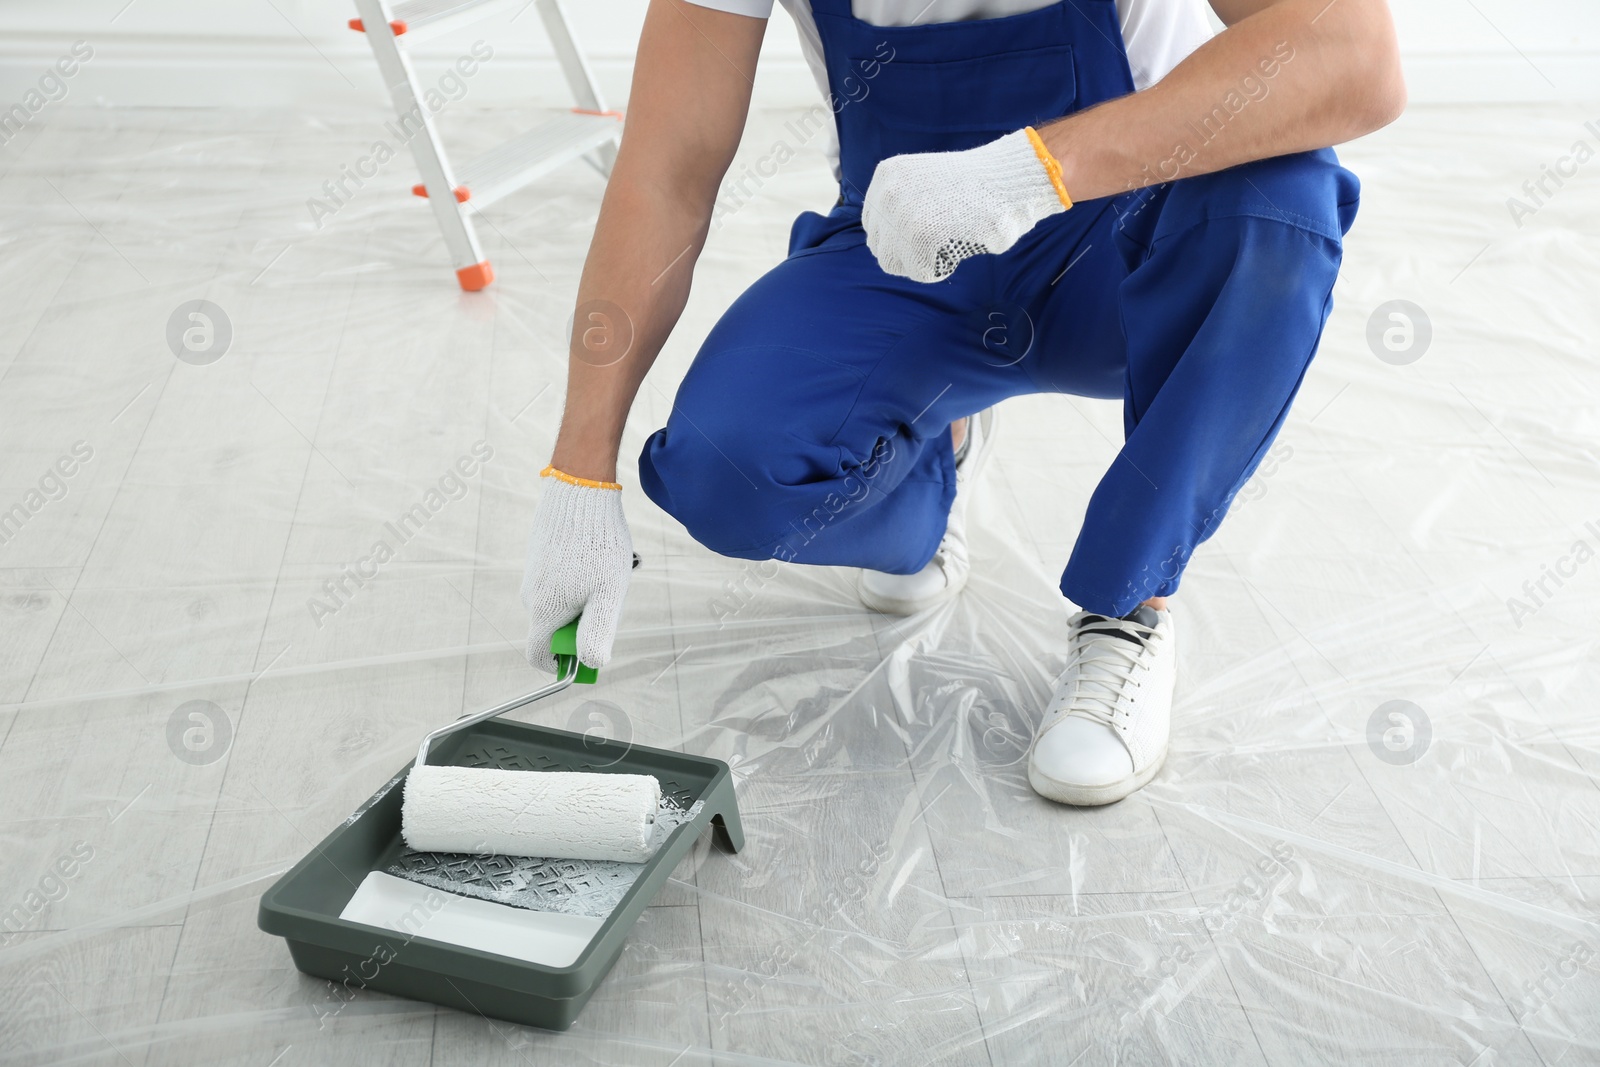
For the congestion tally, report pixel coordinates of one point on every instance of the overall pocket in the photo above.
(966, 99)
(838, 229)
(949, 105)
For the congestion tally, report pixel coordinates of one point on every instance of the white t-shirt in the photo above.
(1158, 34)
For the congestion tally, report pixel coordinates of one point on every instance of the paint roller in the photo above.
(552, 814)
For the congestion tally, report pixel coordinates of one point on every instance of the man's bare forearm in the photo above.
(634, 287)
(691, 91)
(1293, 76)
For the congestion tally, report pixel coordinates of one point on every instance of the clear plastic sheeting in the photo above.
(1374, 841)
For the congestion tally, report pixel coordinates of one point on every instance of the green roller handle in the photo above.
(564, 646)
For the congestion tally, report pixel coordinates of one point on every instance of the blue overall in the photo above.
(814, 423)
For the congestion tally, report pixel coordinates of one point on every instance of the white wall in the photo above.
(274, 52)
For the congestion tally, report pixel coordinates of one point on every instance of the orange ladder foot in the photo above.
(476, 276)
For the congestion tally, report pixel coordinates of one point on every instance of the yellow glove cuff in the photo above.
(587, 483)
(1051, 166)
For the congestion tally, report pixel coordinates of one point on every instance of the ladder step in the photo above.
(535, 153)
(395, 24)
(463, 194)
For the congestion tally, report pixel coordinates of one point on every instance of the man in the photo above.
(1080, 196)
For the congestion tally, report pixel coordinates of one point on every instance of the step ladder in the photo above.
(588, 130)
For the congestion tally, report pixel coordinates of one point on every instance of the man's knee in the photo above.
(711, 479)
(745, 455)
(1251, 251)
(1306, 191)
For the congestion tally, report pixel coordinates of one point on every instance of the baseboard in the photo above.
(222, 71)
(1503, 77)
(230, 72)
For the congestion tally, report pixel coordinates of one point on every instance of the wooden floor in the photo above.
(180, 720)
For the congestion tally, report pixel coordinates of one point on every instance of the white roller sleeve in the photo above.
(554, 814)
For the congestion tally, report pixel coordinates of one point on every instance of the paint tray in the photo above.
(304, 906)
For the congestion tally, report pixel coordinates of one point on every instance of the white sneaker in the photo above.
(1105, 732)
(946, 574)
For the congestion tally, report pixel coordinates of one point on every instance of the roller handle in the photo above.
(564, 646)
(569, 669)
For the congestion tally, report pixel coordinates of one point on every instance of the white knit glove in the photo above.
(925, 212)
(580, 556)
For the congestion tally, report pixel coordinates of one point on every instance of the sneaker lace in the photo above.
(1105, 665)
